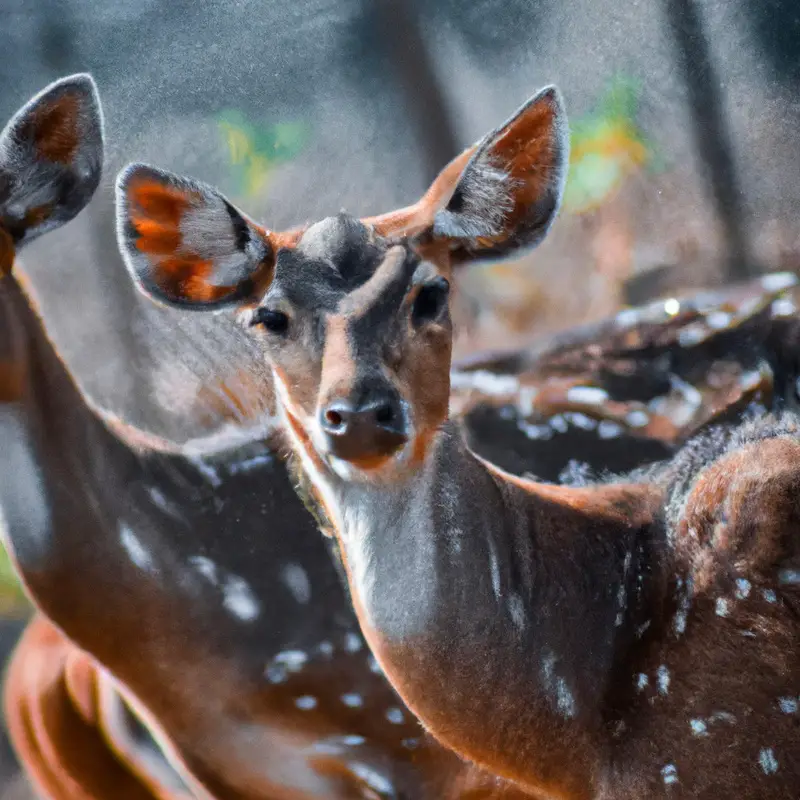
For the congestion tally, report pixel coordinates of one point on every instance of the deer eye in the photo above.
(431, 300)
(273, 321)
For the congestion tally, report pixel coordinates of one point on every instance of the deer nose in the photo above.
(373, 428)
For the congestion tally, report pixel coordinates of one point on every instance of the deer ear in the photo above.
(185, 244)
(51, 158)
(510, 189)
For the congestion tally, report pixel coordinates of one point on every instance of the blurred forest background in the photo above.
(685, 119)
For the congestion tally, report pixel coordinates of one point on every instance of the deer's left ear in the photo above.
(510, 190)
(51, 158)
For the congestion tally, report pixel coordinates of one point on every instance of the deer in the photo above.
(632, 637)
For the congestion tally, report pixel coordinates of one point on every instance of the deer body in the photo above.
(576, 641)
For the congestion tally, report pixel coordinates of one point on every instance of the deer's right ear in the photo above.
(185, 244)
(51, 158)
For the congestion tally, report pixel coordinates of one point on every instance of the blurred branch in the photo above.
(711, 133)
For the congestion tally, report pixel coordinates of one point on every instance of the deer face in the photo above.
(353, 314)
(51, 158)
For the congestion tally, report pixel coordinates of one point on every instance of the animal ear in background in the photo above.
(51, 159)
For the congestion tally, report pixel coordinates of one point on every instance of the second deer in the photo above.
(637, 638)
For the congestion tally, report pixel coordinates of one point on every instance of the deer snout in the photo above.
(364, 432)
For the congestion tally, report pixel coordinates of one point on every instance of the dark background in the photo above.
(684, 174)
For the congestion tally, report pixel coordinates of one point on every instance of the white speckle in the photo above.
(642, 681)
(587, 395)
(395, 716)
(238, 598)
(669, 774)
(637, 418)
(691, 335)
(565, 699)
(206, 470)
(699, 728)
(352, 642)
(373, 779)
(353, 740)
(690, 394)
(642, 628)
(777, 281)
(680, 622)
(535, 432)
(249, 464)
(581, 420)
(608, 430)
(285, 662)
(789, 576)
(296, 580)
(672, 306)
(325, 648)
(742, 588)
(750, 379)
(748, 634)
(627, 317)
(663, 680)
(769, 595)
(788, 705)
(559, 424)
(353, 700)
(136, 551)
(485, 382)
(410, 744)
(517, 610)
(525, 400)
(783, 307)
(374, 666)
(494, 567)
(722, 607)
(718, 320)
(769, 763)
(722, 716)
(306, 702)
(206, 567)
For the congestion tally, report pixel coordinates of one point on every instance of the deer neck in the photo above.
(465, 577)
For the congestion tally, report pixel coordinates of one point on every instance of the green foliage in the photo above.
(13, 602)
(255, 149)
(607, 146)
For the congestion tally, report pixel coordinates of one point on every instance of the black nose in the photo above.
(372, 428)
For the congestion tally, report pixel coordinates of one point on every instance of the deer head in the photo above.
(353, 314)
(51, 159)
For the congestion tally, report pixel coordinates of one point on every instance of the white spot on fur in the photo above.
(719, 320)
(352, 642)
(580, 420)
(699, 728)
(325, 648)
(722, 607)
(239, 599)
(742, 588)
(788, 705)
(769, 595)
(778, 281)
(669, 774)
(565, 699)
(663, 680)
(352, 700)
(517, 610)
(789, 577)
(283, 663)
(642, 681)
(723, 716)
(395, 716)
(296, 580)
(767, 760)
(206, 567)
(373, 779)
(672, 306)
(494, 567)
(627, 317)
(637, 418)
(608, 430)
(306, 702)
(680, 622)
(136, 551)
(374, 666)
(559, 424)
(410, 744)
(485, 382)
(783, 307)
(587, 395)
